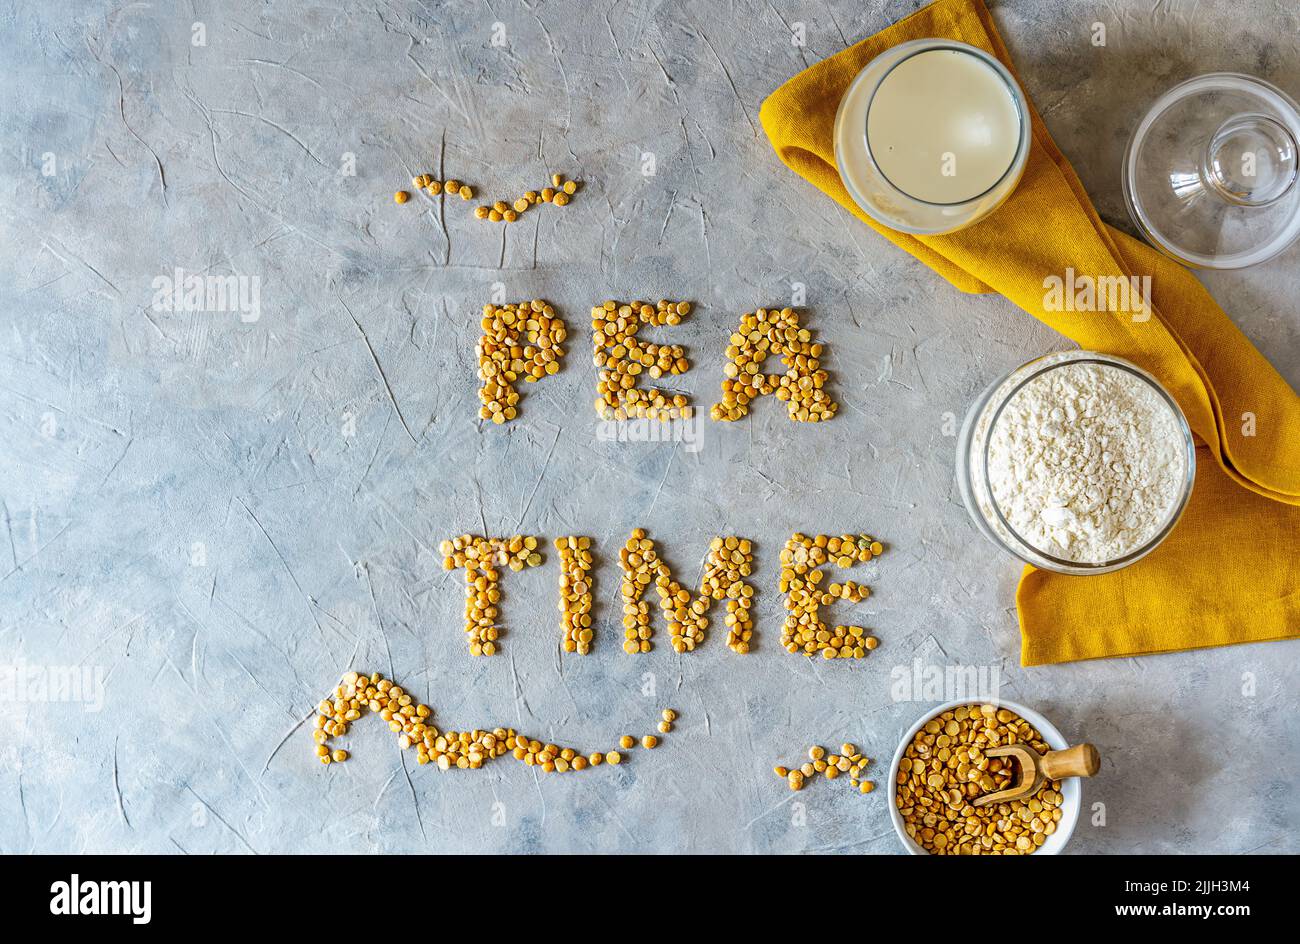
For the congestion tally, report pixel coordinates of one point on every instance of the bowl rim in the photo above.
(1071, 789)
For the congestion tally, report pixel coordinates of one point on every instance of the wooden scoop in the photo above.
(1082, 760)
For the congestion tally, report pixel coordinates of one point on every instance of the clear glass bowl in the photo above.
(973, 461)
(867, 183)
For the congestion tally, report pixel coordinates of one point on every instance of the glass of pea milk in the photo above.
(932, 136)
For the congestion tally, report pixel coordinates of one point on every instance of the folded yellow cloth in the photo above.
(1229, 572)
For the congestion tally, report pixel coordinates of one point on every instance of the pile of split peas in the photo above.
(944, 769)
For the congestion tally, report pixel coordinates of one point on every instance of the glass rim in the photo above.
(1014, 91)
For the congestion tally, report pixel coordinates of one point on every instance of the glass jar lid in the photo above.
(1210, 174)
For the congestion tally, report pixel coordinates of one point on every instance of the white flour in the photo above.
(1086, 462)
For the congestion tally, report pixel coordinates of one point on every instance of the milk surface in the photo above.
(943, 126)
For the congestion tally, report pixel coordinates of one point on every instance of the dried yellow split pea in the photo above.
(575, 593)
(729, 562)
(481, 558)
(774, 331)
(945, 767)
(524, 339)
(831, 766)
(622, 358)
(686, 616)
(801, 582)
(412, 722)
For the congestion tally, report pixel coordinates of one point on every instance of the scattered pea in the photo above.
(831, 766)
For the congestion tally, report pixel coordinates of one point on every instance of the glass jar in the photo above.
(953, 111)
(973, 464)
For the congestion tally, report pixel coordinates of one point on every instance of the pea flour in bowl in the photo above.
(1076, 462)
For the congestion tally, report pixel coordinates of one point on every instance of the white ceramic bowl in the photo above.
(1071, 791)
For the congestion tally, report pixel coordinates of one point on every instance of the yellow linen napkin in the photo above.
(1189, 593)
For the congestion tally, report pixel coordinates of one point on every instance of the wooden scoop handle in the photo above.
(1082, 760)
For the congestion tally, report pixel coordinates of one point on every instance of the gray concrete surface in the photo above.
(215, 516)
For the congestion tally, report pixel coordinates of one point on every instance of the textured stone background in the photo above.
(132, 435)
